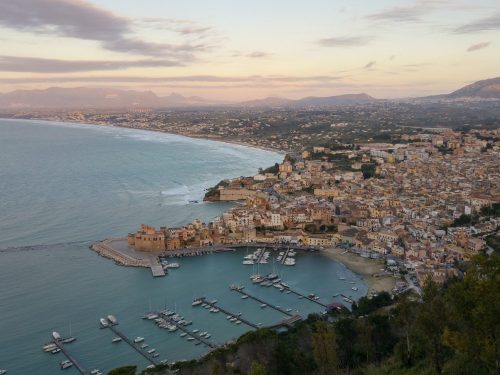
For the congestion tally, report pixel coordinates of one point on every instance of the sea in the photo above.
(64, 186)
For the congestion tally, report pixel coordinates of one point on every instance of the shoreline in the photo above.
(191, 136)
(364, 267)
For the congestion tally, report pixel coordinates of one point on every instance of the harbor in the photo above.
(56, 345)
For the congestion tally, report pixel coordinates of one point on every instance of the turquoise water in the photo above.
(64, 186)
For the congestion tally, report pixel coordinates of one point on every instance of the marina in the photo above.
(71, 360)
(112, 323)
(233, 315)
(167, 317)
(240, 290)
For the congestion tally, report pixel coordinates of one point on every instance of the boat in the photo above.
(237, 322)
(232, 319)
(66, 364)
(207, 336)
(263, 306)
(156, 355)
(196, 330)
(56, 336)
(96, 372)
(355, 288)
(151, 367)
(104, 323)
(49, 347)
(190, 338)
(138, 339)
(341, 278)
(116, 339)
(213, 301)
(2, 372)
(244, 296)
(197, 302)
(203, 334)
(172, 265)
(288, 310)
(69, 340)
(55, 351)
(112, 319)
(248, 262)
(151, 351)
(172, 329)
(197, 343)
(183, 334)
(144, 346)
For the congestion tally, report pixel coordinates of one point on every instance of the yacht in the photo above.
(248, 262)
(213, 301)
(190, 338)
(138, 339)
(207, 336)
(263, 306)
(156, 355)
(237, 322)
(151, 351)
(355, 288)
(173, 265)
(55, 351)
(144, 346)
(244, 296)
(196, 330)
(116, 339)
(104, 323)
(197, 302)
(49, 347)
(69, 340)
(66, 364)
(96, 372)
(183, 334)
(2, 372)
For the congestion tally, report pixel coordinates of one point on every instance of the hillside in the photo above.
(487, 89)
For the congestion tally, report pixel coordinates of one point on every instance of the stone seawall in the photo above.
(102, 248)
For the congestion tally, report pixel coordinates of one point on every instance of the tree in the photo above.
(257, 369)
(405, 318)
(126, 370)
(324, 349)
(431, 323)
(474, 305)
(346, 336)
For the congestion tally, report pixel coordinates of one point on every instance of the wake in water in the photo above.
(12, 249)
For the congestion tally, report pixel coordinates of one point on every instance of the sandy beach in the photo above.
(364, 267)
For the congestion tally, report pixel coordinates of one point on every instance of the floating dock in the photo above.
(112, 326)
(187, 331)
(238, 317)
(277, 308)
(305, 296)
(157, 270)
(72, 359)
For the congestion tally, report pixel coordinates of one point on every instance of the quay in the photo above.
(187, 331)
(241, 291)
(214, 305)
(112, 326)
(305, 296)
(70, 357)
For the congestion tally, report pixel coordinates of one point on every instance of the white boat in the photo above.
(144, 346)
(2, 372)
(96, 372)
(196, 330)
(55, 351)
(172, 329)
(213, 301)
(263, 306)
(238, 322)
(183, 334)
(68, 340)
(190, 338)
(244, 296)
(104, 323)
(150, 367)
(66, 364)
(138, 339)
(112, 319)
(207, 336)
(197, 302)
(248, 262)
(49, 347)
(151, 351)
(56, 336)
(173, 265)
(116, 339)
(355, 288)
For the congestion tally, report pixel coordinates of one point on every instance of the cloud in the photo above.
(409, 13)
(369, 65)
(484, 24)
(347, 41)
(80, 19)
(39, 65)
(181, 26)
(478, 46)
(254, 80)
(258, 54)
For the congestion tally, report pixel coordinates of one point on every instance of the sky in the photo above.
(231, 50)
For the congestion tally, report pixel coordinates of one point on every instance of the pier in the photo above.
(187, 331)
(277, 308)
(214, 305)
(305, 296)
(285, 255)
(72, 359)
(118, 333)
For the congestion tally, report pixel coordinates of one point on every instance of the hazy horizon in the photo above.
(236, 51)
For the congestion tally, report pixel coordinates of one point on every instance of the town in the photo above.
(427, 202)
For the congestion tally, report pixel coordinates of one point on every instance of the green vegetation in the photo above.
(452, 330)
(368, 170)
(494, 242)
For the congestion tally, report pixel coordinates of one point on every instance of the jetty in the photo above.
(302, 295)
(240, 290)
(59, 343)
(285, 256)
(181, 327)
(112, 326)
(237, 316)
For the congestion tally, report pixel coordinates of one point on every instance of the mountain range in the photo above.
(85, 97)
